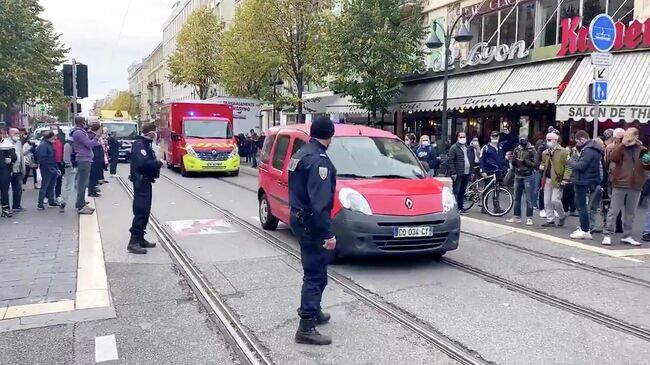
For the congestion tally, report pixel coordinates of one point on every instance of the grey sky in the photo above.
(91, 29)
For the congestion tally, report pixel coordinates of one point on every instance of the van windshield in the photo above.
(197, 128)
(368, 157)
(122, 130)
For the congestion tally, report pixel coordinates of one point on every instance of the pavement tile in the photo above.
(38, 261)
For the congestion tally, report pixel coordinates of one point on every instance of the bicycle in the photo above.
(492, 192)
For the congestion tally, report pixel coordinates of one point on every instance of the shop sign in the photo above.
(575, 38)
(628, 113)
(482, 54)
(491, 6)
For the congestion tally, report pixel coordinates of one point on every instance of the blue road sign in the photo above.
(600, 91)
(602, 32)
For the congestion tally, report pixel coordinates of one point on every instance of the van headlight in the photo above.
(234, 152)
(190, 150)
(448, 200)
(354, 201)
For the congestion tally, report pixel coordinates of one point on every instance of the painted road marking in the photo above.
(105, 348)
(201, 226)
(92, 282)
(256, 218)
(621, 254)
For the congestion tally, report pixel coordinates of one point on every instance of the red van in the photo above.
(385, 202)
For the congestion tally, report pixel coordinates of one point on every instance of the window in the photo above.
(297, 143)
(194, 128)
(569, 9)
(549, 23)
(280, 152)
(590, 9)
(490, 29)
(475, 28)
(621, 10)
(365, 157)
(509, 27)
(526, 26)
(266, 149)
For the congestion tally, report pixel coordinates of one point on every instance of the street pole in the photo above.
(596, 113)
(444, 90)
(74, 89)
(273, 103)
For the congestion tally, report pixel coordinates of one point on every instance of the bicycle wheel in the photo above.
(498, 202)
(471, 197)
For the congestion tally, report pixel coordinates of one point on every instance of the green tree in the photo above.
(125, 100)
(246, 64)
(369, 47)
(30, 52)
(290, 30)
(195, 63)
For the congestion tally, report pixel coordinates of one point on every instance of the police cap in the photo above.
(322, 128)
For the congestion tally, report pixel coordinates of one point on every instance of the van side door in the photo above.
(277, 184)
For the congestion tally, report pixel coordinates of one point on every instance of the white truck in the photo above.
(125, 131)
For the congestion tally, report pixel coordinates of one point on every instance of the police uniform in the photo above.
(312, 183)
(145, 169)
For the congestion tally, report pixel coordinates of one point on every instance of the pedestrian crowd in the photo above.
(249, 146)
(63, 167)
(601, 181)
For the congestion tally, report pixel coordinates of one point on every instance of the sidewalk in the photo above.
(38, 255)
(48, 268)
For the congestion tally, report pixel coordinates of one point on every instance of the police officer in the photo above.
(312, 181)
(145, 169)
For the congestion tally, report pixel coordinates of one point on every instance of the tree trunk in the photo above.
(299, 89)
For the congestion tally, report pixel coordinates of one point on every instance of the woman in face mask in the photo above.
(7, 159)
(426, 153)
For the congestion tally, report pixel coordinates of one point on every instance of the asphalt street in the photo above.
(159, 319)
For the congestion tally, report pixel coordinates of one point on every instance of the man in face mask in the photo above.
(145, 169)
(493, 157)
(627, 176)
(556, 175)
(524, 160)
(461, 164)
(426, 153)
(587, 175)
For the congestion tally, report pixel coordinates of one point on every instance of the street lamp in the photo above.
(275, 81)
(434, 42)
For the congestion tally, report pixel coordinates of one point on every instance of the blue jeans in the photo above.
(537, 182)
(594, 204)
(581, 193)
(647, 222)
(47, 186)
(524, 184)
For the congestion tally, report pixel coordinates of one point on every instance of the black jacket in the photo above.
(46, 157)
(525, 160)
(113, 148)
(9, 153)
(457, 159)
(144, 164)
(587, 166)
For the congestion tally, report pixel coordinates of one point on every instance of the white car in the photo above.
(38, 132)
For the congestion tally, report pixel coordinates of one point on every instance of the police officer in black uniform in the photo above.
(145, 169)
(312, 181)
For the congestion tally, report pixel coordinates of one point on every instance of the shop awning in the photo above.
(527, 84)
(628, 89)
(344, 105)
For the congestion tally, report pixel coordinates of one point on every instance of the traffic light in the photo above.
(67, 80)
(82, 81)
(72, 108)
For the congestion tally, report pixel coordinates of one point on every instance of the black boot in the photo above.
(146, 244)
(6, 212)
(134, 247)
(321, 317)
(308, 335)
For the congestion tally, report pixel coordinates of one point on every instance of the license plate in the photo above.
(214, 164)
(422, 231)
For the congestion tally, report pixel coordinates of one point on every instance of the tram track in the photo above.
(585, 312)
(241, 341)
(557, 259)
(451, 348)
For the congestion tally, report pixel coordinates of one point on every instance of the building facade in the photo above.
(527, 68)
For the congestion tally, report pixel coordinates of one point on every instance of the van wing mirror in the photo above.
(175, 137)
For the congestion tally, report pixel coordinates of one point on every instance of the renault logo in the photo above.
(214, 153)
(409, 203)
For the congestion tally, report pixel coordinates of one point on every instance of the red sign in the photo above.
(575, 39)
